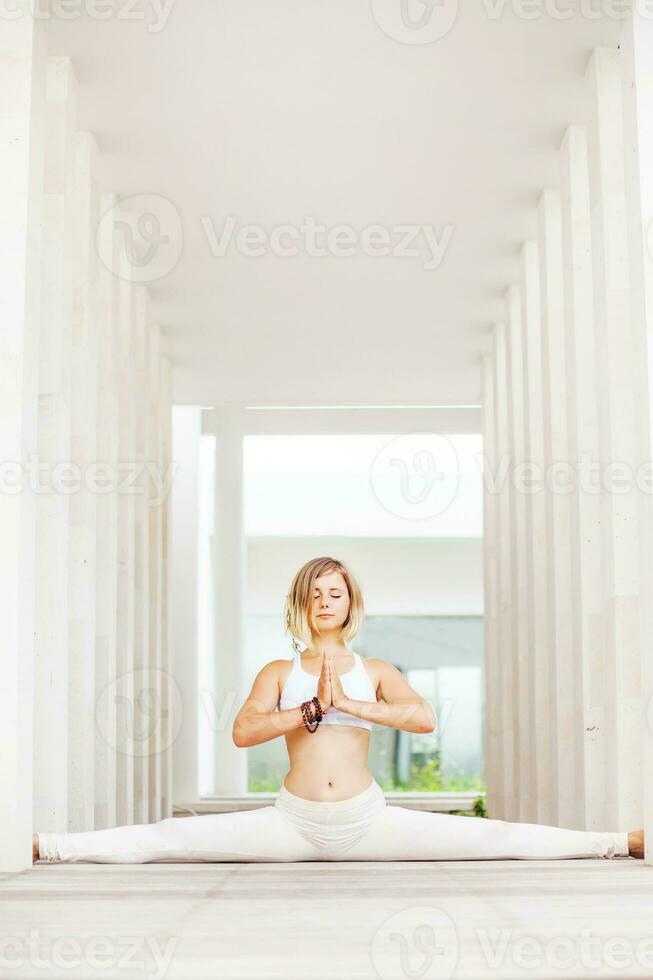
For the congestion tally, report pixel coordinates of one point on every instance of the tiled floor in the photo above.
(501, 919)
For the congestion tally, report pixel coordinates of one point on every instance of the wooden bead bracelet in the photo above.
(312, 714)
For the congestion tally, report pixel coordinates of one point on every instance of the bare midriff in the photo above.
(329, 764)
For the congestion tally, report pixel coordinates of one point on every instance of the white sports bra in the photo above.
(302, 686)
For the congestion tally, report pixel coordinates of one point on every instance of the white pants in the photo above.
(361, 828)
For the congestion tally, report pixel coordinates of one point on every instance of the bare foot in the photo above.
(35, 848)
(636, 843)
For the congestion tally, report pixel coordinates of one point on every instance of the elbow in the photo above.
(430, 722)
(238, 738)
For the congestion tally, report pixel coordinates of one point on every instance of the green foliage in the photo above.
(264, 784)
(427, 777)
(479, 807)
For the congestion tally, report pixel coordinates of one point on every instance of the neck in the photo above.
(333, 645)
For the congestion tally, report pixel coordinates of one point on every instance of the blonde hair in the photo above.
(298, 612)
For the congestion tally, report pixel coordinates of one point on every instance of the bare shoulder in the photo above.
(277, 667)
(374, 664)
(270, 679)
(274, 670)
(280, 669)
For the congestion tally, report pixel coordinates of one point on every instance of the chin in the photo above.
(328, 625)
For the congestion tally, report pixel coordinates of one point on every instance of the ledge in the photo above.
(434, 802)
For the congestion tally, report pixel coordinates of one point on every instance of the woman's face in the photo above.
(330, 602)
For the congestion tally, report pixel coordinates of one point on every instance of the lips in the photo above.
(325, 615)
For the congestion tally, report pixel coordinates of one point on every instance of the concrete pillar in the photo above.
(22, 130)
(567, 741)
(126, 549)
(82, 507)
(536, 520)
(637, 93)
(145, 707)
(170, 699)
(585, 516)
(187, 431)
(229, 581)
(83, 383)
(105, 736)
(509, 804)
(522, 654)
(52, 682)
(618, 422)
(154, 606)
(493, 734)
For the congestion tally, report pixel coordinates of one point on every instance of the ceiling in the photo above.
(275, 113)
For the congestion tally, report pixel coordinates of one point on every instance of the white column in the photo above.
(637, 91)
(82, 514)
(105, 738)
(229, 567)
(585, 517)
(78, 357)
(559, 477)
(170, 702)
(618, 441)
(154, 605)
(145, 707)
(522, 653)
(22, 124)
(491, 535)
(508, 809)
(52, 635)
(126, 551)
(187, 430)
(536, 517)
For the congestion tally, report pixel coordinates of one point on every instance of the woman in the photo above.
(330, 807)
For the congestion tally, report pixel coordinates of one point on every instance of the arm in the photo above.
(258, 720)
(400, 705)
